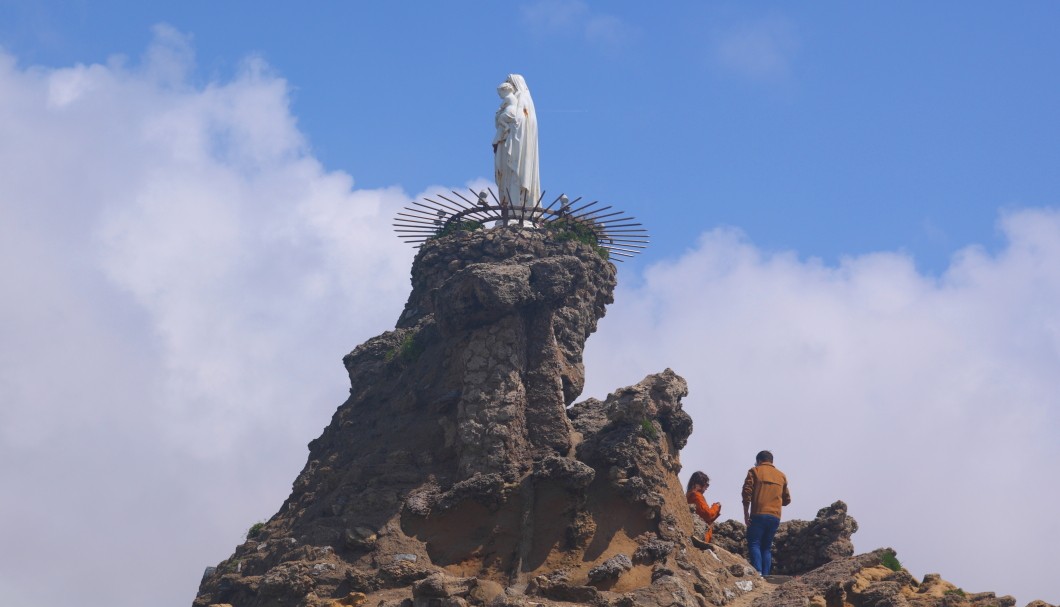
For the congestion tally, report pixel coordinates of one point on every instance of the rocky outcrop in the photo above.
(799, 546)
(455, 474)
(803, 546)
(875, 579)
(458, 472)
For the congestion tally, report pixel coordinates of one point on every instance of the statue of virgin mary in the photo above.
(515, 148)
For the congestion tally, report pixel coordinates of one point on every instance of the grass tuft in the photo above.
(407, 351)
(647, 428)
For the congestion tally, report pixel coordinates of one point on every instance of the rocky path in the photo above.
(762, 588)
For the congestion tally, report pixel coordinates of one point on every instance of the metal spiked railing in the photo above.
(615, 231)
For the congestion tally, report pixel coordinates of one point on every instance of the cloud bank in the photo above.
(181, 280)
(182, 277)
(928, 404)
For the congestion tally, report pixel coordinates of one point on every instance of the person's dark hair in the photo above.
(764, 456)
(698, 478)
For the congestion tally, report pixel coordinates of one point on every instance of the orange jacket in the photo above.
(705, 512)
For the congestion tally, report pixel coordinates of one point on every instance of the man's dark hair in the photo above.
(698, 478)
(764, 456)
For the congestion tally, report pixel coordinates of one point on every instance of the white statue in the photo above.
(515, 148)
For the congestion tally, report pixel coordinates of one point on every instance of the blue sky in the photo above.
(830, 128)
(855, 213)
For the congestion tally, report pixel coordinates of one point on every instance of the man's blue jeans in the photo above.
(760, 541)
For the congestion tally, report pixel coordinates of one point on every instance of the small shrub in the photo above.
(407, 351)
(255, 530)
(567, 229)
(955, 592)
(468, 225)
(890, 561)
(648, 429)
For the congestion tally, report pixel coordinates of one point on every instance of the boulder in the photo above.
(799, 546)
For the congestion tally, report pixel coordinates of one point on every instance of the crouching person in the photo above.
(696, 486)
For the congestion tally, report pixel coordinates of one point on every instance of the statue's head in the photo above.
(518, 82)
(505, 89)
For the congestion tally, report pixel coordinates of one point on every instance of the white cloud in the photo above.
(761, 51)
(606, 32)
(555, 14)
(181, 280)
(927, 403)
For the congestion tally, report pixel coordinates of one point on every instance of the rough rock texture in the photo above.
(799, 546)
(732, 536)
(866, 581)
(802, 546)
(457, 473)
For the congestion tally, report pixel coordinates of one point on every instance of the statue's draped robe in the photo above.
(516, 160)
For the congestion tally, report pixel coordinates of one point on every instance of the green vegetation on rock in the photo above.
(255, 530)
(568, 229)
(890, 561)
(468, 225)
(647, 428)
(407, 351)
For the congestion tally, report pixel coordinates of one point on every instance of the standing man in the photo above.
(765, 490)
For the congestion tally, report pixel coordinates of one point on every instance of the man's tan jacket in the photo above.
(766, 489)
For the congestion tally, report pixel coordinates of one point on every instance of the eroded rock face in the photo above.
(799, 546)
(874, 579)
(455, 474)
(803, 546)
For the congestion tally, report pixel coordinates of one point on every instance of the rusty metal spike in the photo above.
(440, 205)
(415, 218)
(593, 217)
(583, 207)
(434, 209)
